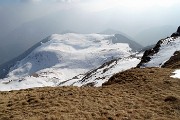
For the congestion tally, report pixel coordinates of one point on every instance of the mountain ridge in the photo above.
(65, 56)
(157, 57)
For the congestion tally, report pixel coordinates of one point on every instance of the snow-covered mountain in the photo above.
(70, 59)
(163, 51)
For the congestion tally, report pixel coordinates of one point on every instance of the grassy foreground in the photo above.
(134, 94)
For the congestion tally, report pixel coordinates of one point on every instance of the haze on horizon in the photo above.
(33, 20)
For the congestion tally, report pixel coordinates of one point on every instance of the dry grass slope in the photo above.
(174, 61)
(142, 94)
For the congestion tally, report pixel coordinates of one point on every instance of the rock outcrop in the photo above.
(176, 33)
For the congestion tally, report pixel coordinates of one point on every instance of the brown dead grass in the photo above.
(173, 62)
(142, 94)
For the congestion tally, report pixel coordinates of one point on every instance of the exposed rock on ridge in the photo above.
(165, 51)
(176, 33)
(146, 56)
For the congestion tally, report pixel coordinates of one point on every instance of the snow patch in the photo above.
(177, 74)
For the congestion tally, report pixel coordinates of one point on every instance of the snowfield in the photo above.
(177, 74)
(102, 74)
(167, 49)
(66, 59)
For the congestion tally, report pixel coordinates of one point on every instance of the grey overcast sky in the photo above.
(25, 22)
(125, 15)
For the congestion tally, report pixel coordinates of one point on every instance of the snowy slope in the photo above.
(166, 49)
(64, 57)
(98, 76)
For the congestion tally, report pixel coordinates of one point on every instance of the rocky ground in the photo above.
(147, 93)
